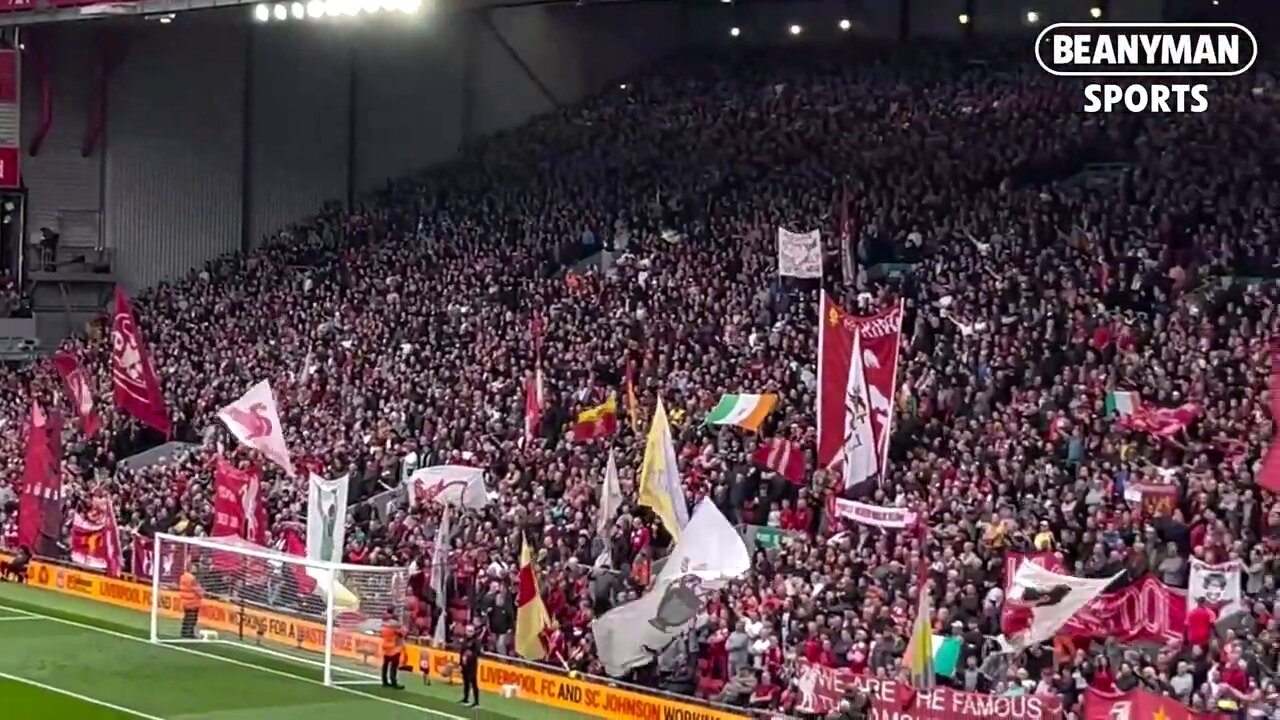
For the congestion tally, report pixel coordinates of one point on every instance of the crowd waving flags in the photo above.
(134, 383)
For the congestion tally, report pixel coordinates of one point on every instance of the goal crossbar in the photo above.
(385, 584)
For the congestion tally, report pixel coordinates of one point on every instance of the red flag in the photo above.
(40, 506)
(881, 336)
(78, 390)
(1269, 475)
(783, 457)
(1138, 704)
(597, 422)
(135, 385)
(532, 619)
(169, 565)
(292, 543)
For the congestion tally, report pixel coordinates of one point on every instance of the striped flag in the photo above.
(783, 457)
(744, 410)
(531, 614)
(919, 657)
(1122, 403)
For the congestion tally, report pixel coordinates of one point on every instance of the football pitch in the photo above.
(70, 658)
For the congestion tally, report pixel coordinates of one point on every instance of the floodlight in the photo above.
(1095, 12)
(316, 9)
(1033, 17)
(964, 18)
(280, 12)
(795, 29)
(734, 32)
(261, 13)
(298, 10)
(845, 24)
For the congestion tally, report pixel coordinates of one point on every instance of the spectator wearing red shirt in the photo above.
(1200, 625)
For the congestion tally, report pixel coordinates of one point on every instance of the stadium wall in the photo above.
(222, 131)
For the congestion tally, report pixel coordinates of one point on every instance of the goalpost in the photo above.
(253, 598)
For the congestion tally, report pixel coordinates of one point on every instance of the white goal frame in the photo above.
(332, 570)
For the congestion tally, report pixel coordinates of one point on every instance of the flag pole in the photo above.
(893, 395)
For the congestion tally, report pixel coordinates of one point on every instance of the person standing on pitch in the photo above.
(392, 648)
(471, 668)
(190, 594)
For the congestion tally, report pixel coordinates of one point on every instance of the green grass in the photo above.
(94, 652)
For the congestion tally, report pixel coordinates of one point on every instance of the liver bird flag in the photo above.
(255, 421)
(134, 383)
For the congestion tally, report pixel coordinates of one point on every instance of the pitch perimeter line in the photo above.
(19, 618)
(76, 695)
(241, 663)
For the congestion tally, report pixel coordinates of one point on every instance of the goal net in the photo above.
(253, 599)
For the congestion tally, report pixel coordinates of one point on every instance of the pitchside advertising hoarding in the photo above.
(1146, 67)
(542, 687)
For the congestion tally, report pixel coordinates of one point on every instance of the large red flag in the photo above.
(238, 509)
(78, 390)
(880, 336)
(40, 505)
(135, 385)
(1269, 475)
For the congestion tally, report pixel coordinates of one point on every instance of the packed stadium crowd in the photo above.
(1045, 258)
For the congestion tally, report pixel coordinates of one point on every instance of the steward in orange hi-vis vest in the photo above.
(392, 649)
(190, 594)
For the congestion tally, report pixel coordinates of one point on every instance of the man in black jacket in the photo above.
(470, 652)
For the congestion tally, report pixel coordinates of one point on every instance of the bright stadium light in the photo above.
(734, 32)
(261, 13)
(964, 18)
(370, 6)
(1033, 17)
(316, 9)
(1095, 12)
(298, 10)
(845, 24)
(795, 29)
(410, 7)
(280, 12)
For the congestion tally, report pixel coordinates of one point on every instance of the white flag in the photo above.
(1040, 602)
(326, 518)
(450, 485)
(799, 254)
(610, 502)
(709, 554)
(861, 461)
(1216, 586)
(255, 421)
(439, 574)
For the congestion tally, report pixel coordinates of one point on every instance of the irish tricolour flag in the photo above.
(745, 411)
(946, 654)
(1122, 403)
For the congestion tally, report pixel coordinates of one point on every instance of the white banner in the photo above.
(861, 461)
(326, 518)
(709, 554)
(1216, 586)
(891, 518)
(799, 254)
(1040, 601)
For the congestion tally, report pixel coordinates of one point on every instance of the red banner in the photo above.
(135, 385)
(881, 336)
(1147, 610)
(40, 505)
(822, 689)
(144, 560)
(1138, 704)
(78, 390)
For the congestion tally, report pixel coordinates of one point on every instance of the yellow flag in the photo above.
(660, 488)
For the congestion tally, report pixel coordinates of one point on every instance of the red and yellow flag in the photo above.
(531, 614)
